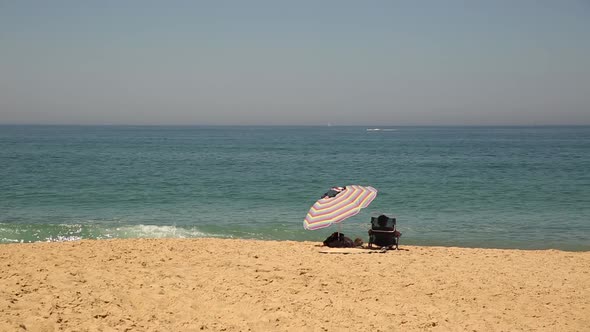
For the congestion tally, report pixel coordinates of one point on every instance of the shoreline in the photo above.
(318, 243)
(238, 285)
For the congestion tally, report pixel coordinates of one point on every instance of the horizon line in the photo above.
(286, 125)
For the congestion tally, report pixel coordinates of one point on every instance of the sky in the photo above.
(275, 62)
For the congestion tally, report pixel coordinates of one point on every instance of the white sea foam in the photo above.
(153, 231)
(60, 238)
(77, 232)
(7, 240)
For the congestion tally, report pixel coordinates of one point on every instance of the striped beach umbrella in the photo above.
(338, 204)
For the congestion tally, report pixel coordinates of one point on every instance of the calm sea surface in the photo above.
(501, 187)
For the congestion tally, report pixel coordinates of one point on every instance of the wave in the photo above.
(24, 233)
(153, 231)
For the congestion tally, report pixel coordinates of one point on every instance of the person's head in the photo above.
(382, 220)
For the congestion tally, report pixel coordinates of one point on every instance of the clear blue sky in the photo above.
(295, 62)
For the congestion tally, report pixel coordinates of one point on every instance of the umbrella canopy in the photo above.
(338, 204)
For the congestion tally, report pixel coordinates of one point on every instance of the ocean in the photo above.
(491, 187)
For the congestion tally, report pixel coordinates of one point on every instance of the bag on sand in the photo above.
(338, 240)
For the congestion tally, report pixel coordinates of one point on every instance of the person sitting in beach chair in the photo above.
(383, 232)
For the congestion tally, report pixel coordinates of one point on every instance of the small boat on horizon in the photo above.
(381, 129)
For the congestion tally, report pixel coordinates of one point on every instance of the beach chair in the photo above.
(383, 232)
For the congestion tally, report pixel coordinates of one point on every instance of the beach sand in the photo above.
(247, 285)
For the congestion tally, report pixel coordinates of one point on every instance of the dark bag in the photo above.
(338, 240)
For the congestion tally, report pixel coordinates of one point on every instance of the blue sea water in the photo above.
(500, 187)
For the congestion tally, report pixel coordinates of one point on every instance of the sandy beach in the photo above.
(247, 285)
